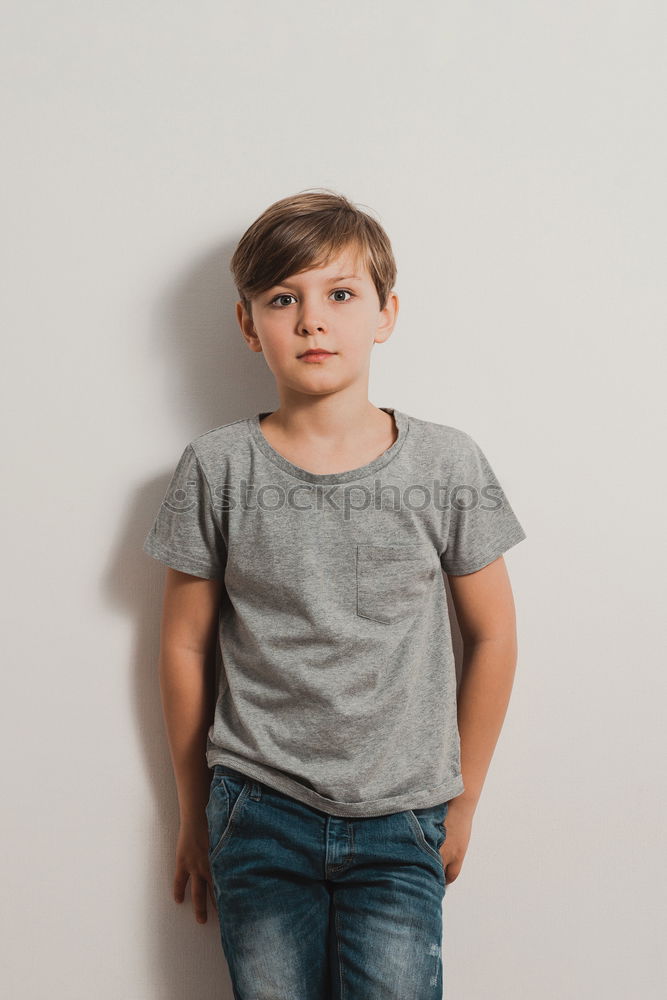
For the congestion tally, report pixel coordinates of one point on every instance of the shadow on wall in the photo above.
(210, 377)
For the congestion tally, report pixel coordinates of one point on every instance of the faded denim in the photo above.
(319, 907)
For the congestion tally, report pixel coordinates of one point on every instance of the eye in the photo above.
(288, 295)
(283, 295)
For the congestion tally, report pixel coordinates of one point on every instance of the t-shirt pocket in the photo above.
(392, 580)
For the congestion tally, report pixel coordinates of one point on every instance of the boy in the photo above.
(311, 542)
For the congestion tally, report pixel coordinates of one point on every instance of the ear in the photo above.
(387, 319)
(247, 328)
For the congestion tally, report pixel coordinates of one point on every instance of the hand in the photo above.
(458, 824)
(192, 863)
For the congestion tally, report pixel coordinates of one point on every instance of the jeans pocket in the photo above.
(428, 826)
(223, 809)
(392, 580)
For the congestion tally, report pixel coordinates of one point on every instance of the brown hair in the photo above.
(307, 230)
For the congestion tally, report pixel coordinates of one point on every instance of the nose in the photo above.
(310, 318)
(308, 325)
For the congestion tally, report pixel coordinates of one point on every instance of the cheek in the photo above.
(277, 345)
(356, 337)
(359, 347)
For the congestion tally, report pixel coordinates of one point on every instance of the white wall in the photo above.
(515, 152)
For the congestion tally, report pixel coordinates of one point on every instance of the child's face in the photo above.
(335, 307)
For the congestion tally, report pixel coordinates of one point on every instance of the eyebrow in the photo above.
(341, 277)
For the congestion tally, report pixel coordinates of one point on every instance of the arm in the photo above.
(485, 612)
(188, 629)
(189, 618)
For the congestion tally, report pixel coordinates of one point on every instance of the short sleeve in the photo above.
(185, 534)
(482, 525)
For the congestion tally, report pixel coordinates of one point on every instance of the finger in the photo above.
(211, 892)
(180, 882)
(199, 898)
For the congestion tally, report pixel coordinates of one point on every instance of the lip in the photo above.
(316, 355)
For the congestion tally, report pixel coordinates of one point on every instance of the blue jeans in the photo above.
(320, 907)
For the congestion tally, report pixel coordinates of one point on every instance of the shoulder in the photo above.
(444, 440)
(212, 455)
(220, 444)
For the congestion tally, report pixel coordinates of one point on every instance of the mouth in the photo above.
(316, 355)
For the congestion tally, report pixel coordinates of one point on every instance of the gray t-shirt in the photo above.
(338, 683)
